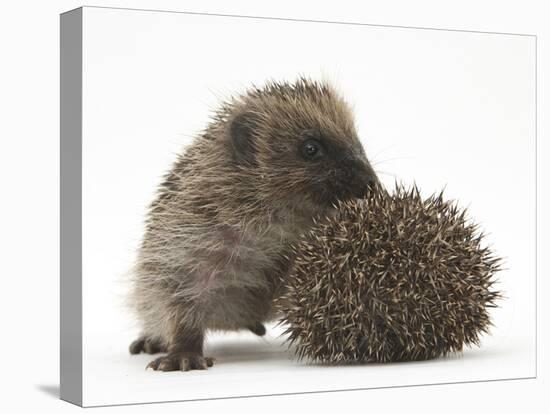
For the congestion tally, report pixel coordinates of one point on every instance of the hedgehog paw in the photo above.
(181, 361)
(258, 328)
(147, 345)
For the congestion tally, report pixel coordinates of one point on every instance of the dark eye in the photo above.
(312, 149)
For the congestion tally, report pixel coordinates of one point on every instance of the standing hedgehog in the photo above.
(220, 228)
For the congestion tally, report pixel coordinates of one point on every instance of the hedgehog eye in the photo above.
(312, 149)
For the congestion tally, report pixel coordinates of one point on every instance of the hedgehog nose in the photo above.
(363, 178)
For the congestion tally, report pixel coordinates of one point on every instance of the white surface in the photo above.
(30, 175)
(247, 365)
(436, 107)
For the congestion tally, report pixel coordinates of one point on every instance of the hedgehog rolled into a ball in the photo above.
(392, 277)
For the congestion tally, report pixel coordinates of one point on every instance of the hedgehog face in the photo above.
(301, 141)
(335, 166)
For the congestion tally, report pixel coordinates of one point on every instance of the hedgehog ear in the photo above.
(242, 138)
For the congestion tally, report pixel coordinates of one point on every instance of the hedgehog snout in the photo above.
(358, 176)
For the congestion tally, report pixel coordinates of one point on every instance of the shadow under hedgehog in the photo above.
(219, 232)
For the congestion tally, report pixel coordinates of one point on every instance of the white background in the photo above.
(30, 129)
(443, 108)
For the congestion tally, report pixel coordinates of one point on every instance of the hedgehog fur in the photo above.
(392, 277)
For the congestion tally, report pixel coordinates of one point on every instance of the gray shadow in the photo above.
(237, 351)
(275, 349)
(50, 389)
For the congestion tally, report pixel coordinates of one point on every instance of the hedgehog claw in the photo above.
(181, 361)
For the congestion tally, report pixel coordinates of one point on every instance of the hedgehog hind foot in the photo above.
(258, 329)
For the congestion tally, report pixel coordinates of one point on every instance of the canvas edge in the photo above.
(71, 206)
